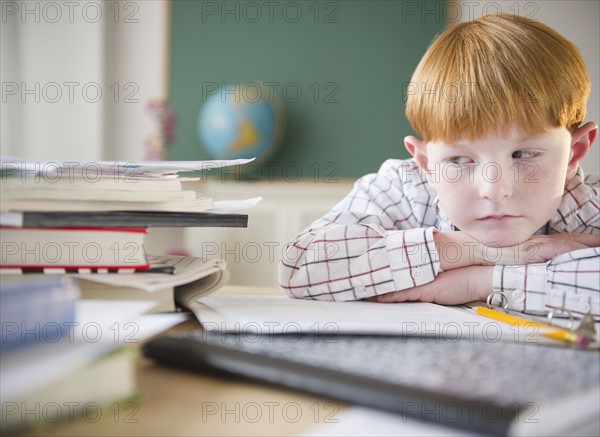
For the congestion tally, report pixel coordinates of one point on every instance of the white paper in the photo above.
(561, 416)
(224, 206)
(282, 315)
(359, 421)
(11, 218)
(127, 167)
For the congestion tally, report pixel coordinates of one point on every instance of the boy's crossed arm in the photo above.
(468, 275)
(543, 273)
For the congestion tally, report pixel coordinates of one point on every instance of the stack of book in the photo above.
(64, 358)
(94, 216)
(77, 230)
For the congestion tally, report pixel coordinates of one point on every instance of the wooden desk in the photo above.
(178, 403)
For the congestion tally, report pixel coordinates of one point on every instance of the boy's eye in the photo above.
(522, 154)
(459, 160)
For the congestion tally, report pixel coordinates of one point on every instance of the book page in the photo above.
(187, 269)
(282, 315)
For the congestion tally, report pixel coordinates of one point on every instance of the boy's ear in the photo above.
(581, 141)
(418, 149)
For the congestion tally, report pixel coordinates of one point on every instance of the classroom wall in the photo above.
(350, 60)
(341, 68)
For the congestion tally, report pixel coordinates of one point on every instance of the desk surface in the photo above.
(176, 403)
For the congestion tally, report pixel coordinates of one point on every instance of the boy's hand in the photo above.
(458, 249)
(541, 248)
(449, 288)
(458, 284)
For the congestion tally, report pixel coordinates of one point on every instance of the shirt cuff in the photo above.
(525, 286)
(412, 257)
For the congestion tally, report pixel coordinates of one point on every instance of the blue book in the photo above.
(36, 309)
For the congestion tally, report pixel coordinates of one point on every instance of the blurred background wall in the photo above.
(77, 77)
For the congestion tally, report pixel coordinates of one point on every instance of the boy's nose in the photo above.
(495, 183)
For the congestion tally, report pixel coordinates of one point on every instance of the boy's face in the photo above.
(500, 190)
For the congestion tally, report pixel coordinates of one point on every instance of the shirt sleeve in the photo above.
(377, 240)
(570, 281)
(567, 282)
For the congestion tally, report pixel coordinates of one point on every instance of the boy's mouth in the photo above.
(498, 217)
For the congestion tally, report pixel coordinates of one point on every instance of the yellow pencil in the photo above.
(554, 333)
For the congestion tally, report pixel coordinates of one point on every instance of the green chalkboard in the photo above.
(351, 61)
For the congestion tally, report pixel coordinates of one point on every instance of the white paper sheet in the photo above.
(282, 315)
(359, 421)
(10, 163)
(223, 206)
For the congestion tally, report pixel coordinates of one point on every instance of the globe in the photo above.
(242, 121)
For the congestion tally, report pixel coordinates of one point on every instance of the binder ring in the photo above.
(503, 299)
(562, 310)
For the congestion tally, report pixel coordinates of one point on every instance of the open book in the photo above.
(183, 275)
(282, 315)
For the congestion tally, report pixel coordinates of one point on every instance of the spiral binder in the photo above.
(584, 335)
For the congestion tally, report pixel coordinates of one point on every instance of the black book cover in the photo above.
(132, 219)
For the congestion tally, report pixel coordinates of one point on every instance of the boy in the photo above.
(493, 199)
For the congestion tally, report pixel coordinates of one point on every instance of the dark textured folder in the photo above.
(483, 386)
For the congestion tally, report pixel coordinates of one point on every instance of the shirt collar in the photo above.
(444, 223)
(574, 197)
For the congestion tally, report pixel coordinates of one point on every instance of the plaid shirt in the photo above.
(379, 239)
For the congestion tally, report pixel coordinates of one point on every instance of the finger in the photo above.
(549, 251)
(587, 239)
(400, 296)
(394, 296)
